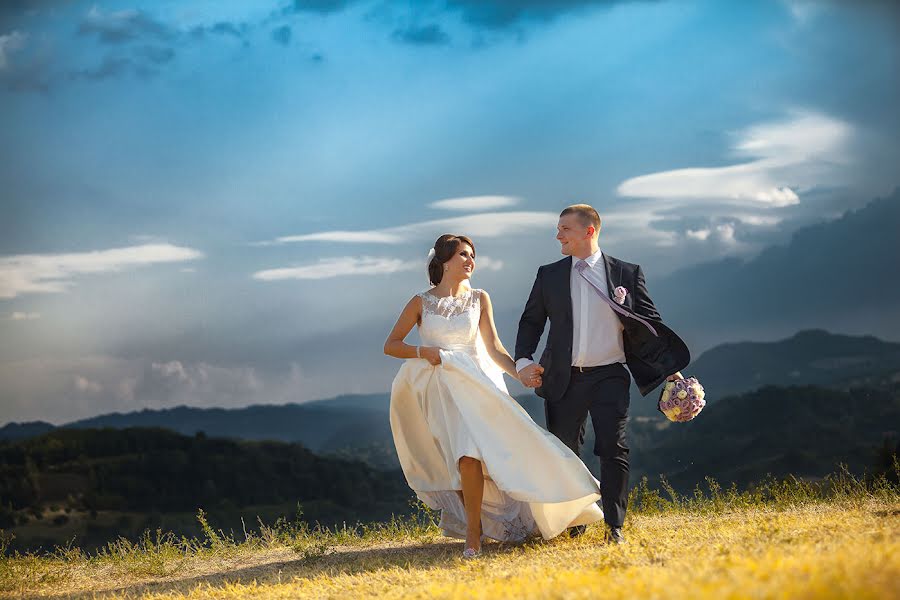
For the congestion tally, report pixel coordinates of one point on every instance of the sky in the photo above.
(228, 203)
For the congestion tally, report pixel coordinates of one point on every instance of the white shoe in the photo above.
(471, 553)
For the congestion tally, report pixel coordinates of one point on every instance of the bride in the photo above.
(465, 445)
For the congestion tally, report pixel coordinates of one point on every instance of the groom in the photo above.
(601, 319)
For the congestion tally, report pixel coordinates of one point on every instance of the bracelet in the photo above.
(417, 352)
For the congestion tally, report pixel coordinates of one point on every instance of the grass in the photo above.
(837, 538)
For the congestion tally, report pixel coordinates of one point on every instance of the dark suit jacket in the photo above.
(650, 358)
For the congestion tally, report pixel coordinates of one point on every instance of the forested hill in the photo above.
(804, 431)
(148, 470)
(812, 357)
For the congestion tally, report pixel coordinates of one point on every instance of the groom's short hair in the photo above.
(586, 214)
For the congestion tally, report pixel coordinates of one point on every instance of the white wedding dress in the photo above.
(534, 484)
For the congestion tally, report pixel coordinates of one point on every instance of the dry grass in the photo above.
(845, 545)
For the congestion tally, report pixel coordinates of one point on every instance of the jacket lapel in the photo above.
(566, 286)
(610, 284)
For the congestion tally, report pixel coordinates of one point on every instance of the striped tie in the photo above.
(591, 277)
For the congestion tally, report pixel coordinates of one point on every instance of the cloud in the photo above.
(86, 386)
(53, 273)
(9, 43)
(317, 6)
(24, 66)
(343, 266)
(787, 157)
(123, 26)
(473, 203)
(282, 35)
(351, 237)
(426, 35)
(500, 14)
(485, 225)
(327, 268)
(143, 63)
(24, 316)
(222, 28)
(723, 233)
(802, 10)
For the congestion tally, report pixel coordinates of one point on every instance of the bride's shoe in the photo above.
(472, 552)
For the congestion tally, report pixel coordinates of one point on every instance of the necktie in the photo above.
(591, 277)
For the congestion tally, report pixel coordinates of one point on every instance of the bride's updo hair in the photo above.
(444, 248)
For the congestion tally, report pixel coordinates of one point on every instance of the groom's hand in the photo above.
(675, 376)
(530, 376)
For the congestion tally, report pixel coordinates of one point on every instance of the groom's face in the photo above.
(574, 238)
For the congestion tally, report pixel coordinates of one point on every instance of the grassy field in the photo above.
(835, 539)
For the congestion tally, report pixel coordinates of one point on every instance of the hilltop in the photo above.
(788, 539)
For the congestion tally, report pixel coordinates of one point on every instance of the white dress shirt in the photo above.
(597, 330)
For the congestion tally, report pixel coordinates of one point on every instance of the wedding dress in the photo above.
(534, 484)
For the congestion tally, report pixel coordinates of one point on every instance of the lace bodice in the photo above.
(450, 322)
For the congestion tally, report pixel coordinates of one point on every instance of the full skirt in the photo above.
(534, 484)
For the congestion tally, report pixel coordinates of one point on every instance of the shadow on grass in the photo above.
(342, 561)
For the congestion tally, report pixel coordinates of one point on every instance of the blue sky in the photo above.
(225, 203)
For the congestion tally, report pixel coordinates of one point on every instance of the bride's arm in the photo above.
(491, 340)
(396, 347)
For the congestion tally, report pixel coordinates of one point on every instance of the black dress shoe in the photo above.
(614, 535)
(577, 530)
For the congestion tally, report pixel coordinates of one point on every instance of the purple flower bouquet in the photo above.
(682, 400)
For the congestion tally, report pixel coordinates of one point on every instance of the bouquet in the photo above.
(682, 400)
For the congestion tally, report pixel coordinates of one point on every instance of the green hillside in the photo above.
(71, 480)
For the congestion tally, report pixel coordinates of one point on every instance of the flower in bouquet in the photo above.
(682, 400)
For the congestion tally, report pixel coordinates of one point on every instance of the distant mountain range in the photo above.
(319, 425)
(803, 431)
(813, 357)
(808, 358)
(837, 274)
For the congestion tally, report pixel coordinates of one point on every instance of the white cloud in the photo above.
(486, 263)
(173, 369)
(758, 220)
(787, 157)
(803, 10)
(343, 266)
(485, 225)
(722, 233)
(53, 273)
(327, 268)
(350, 237)
(85, 385)
(24, 316)
(475, 203)
(8, 44)
(725, 233)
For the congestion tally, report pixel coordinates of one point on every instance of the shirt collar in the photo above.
(594, 258)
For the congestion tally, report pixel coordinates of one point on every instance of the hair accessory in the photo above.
(428, 264)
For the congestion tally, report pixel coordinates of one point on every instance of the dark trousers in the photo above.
(602, 392)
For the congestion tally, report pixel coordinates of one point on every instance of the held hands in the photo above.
(431, 354)
(675, 376)
(530, 376)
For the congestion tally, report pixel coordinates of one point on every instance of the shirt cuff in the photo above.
(522, 363)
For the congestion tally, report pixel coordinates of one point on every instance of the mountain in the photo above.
(835, 274)
(812, 357)
(803, 430)
(344, 424)
(314, 424)
(21, 431)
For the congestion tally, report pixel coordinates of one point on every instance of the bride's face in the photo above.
(462, 264)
